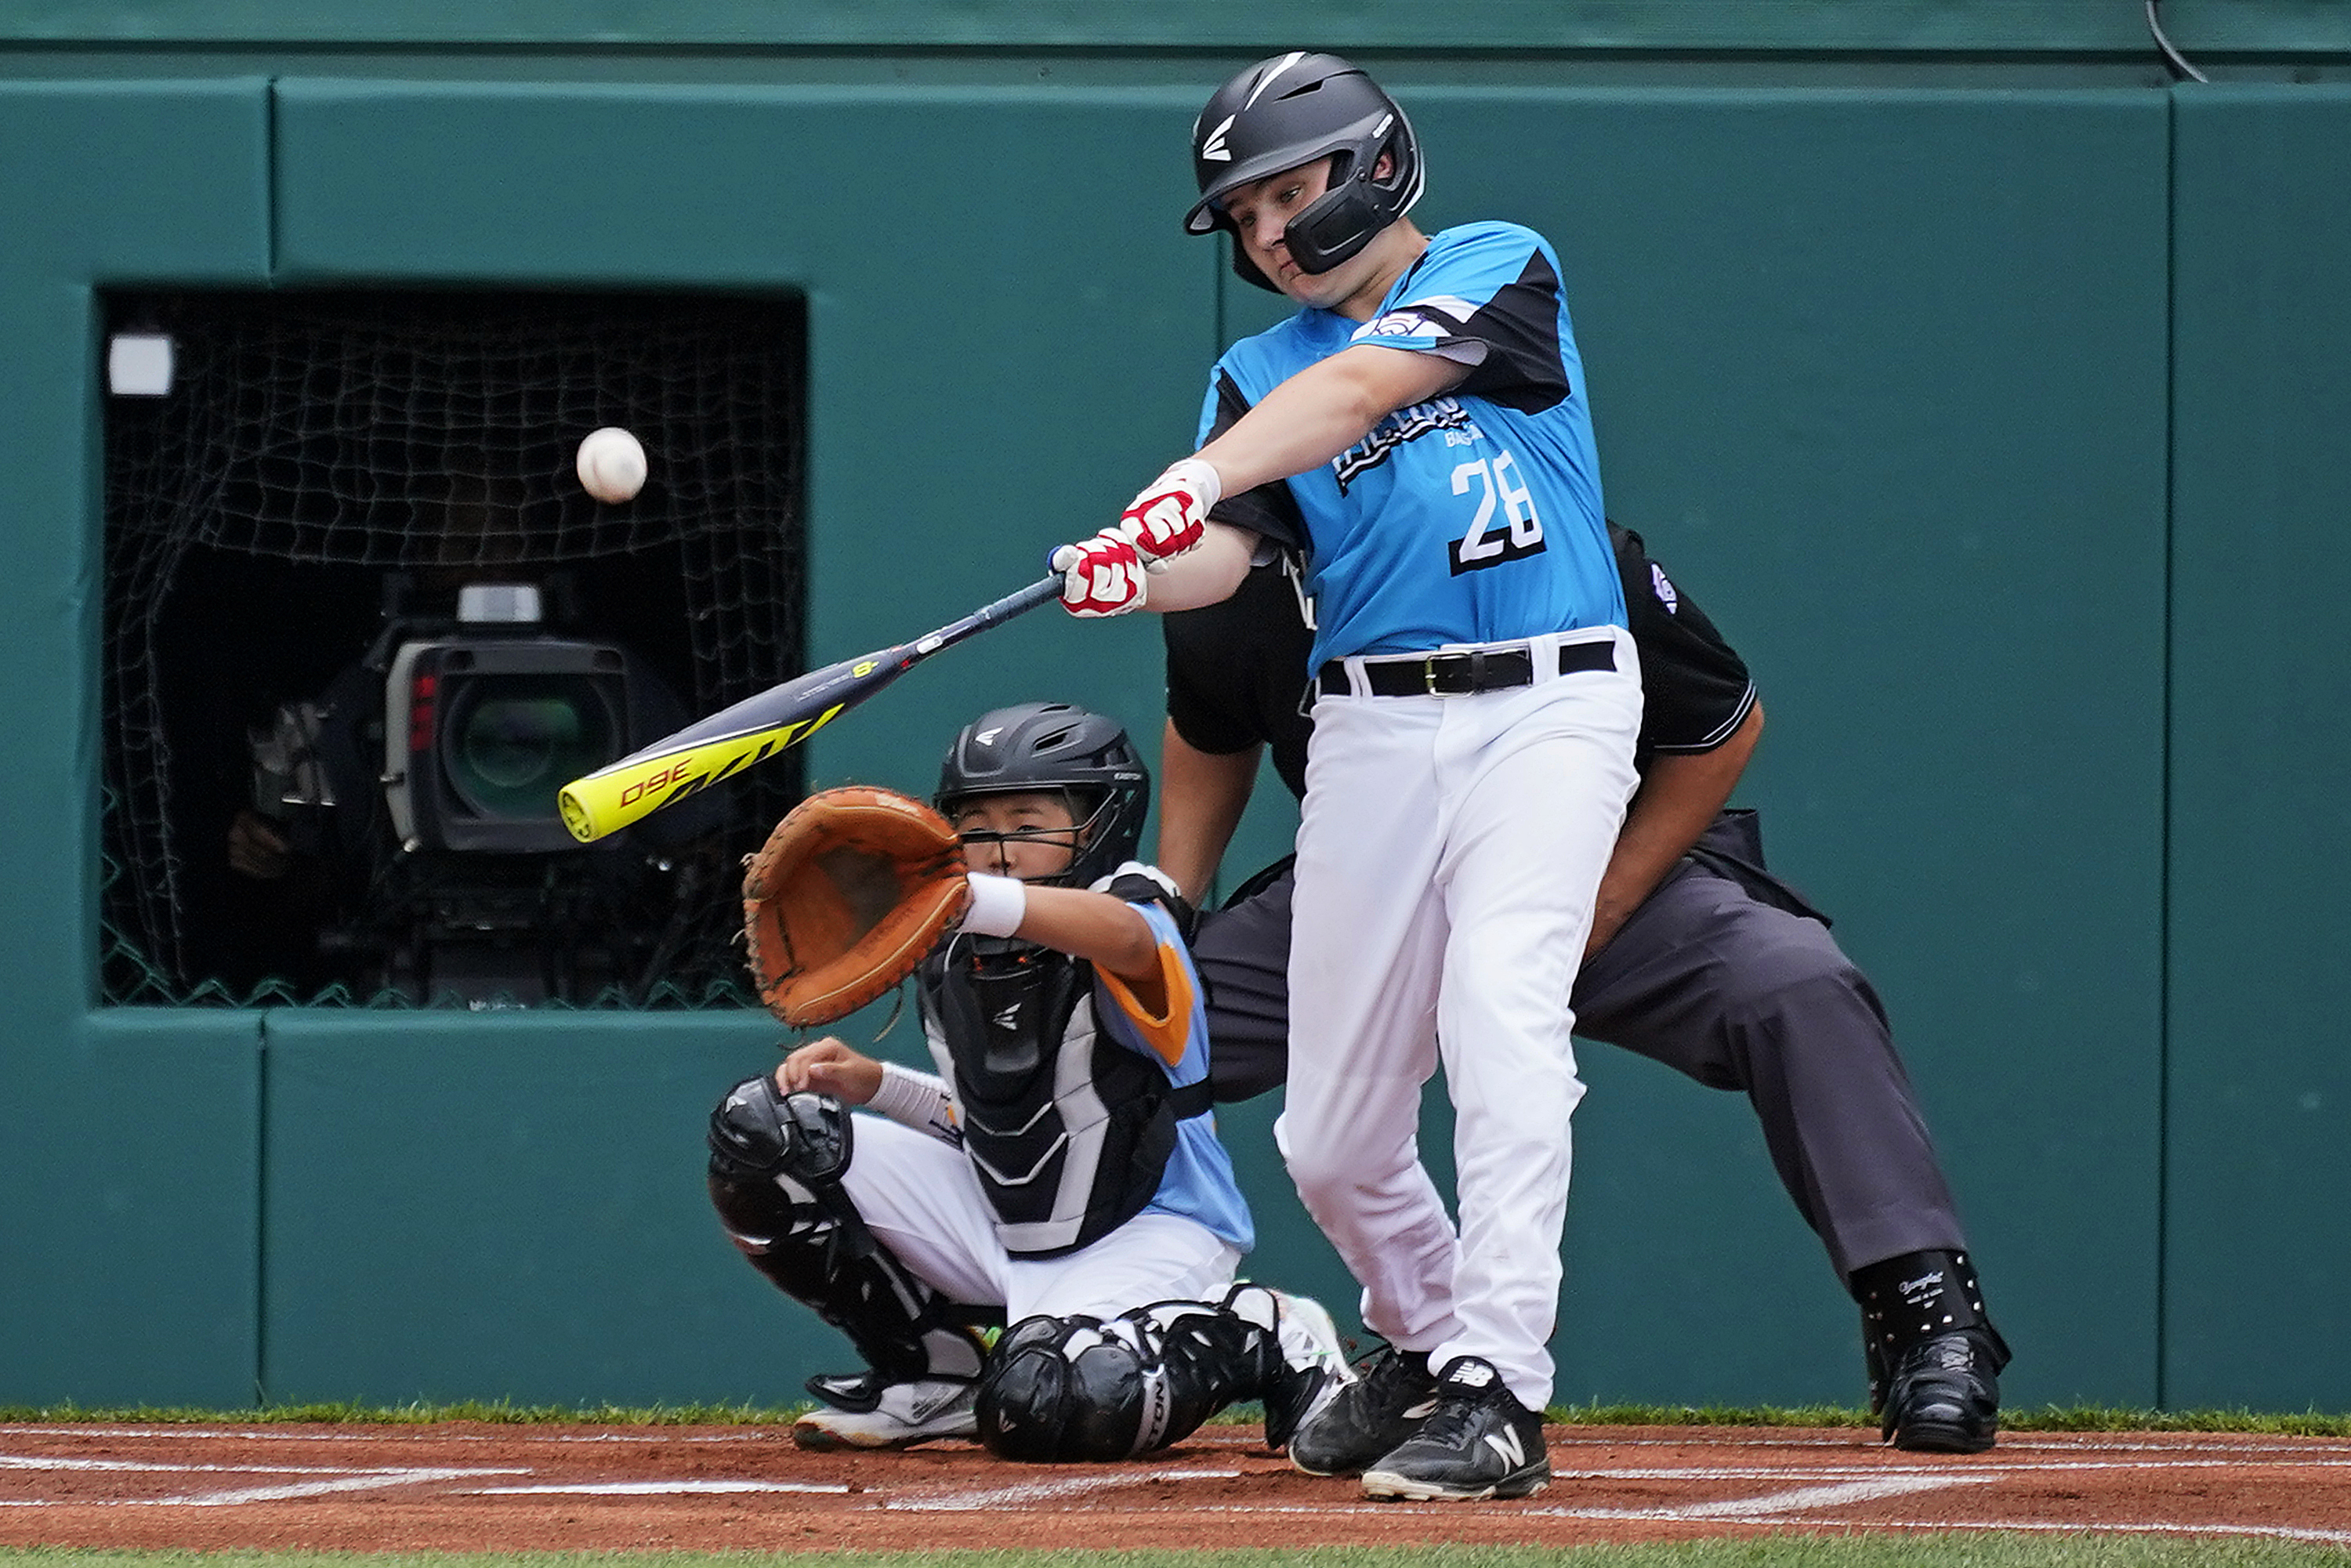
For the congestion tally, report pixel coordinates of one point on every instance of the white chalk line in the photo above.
(1042, 1491)
(2007, 1445)
(653, 1488)
(1800, 1499)
(398, 1435)
(1987, 1469)
(60, 1462)
(2106, 1527)
(356, 1480)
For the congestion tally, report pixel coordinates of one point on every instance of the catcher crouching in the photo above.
(1060, 1173)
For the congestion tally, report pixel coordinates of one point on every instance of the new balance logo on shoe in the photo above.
(1506, 1443)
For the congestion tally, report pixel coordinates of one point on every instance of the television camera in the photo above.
(426, 775)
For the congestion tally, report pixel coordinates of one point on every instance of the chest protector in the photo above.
(1068, 1130)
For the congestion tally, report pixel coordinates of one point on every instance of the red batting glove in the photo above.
(1102, 576)
(1172, 513)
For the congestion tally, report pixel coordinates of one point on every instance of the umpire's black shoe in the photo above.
(1366, 1417)
(1942, 1395)
(1481, 1443)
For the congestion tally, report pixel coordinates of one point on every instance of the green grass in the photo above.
(2048, 1418)
(1958, 1550)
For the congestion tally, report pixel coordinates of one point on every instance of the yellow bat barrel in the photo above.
(626, 791)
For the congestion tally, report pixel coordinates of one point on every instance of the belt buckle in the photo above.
(1473, 662)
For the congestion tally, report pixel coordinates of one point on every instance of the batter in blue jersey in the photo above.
(1418, 431)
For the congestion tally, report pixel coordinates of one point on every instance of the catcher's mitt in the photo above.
(850, 891)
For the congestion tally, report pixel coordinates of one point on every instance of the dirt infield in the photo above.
(486, 1487)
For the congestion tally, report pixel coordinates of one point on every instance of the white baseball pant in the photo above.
(1448, 859)
(919, 1197)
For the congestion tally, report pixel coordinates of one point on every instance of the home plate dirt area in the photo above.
(490, 1488)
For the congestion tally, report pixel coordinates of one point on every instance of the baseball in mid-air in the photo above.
(611, 464)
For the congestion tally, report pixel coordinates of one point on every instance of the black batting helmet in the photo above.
(1054, 745)
(1291, 109)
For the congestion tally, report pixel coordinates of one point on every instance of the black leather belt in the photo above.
(1459, 675)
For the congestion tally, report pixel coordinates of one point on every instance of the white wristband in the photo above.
(998, 904)
(1198, 476)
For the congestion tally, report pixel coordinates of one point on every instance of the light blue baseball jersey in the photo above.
(1473, 517)
(1199, 1182)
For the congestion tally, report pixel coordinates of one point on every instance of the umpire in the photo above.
(1698, 959)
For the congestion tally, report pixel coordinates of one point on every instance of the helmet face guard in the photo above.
(1049, 748)
(1288, 111)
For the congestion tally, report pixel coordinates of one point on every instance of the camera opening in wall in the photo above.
(362, 620)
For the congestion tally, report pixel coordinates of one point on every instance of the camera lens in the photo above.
(520, 740)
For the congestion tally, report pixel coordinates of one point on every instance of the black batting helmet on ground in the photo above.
(1291, 109)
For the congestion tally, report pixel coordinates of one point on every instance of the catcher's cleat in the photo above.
(1482, 1443)
(1367, 1417)
(1942, 1395)
(902, 1415)
(1314, 1368)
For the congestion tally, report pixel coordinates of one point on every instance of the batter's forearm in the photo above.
(1207, 574)
(1202, 797)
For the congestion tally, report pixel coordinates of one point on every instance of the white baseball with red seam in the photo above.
(611, 464)
(1171, 513)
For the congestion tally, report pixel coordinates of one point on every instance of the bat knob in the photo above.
(575, 815)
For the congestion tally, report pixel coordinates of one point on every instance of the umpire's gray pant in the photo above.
(1716, 983)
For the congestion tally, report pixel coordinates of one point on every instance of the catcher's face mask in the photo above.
(1032, 834)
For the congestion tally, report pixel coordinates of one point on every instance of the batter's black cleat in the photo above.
(1482, 1443)
(1942, 1394)
(1367, 1417)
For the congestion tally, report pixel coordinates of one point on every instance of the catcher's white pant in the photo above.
(919, 1197)
(1448, 859)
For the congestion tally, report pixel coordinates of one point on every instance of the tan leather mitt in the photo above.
(849, 892)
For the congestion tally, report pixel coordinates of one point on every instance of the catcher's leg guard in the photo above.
(775, 1162)
(1078, 1389)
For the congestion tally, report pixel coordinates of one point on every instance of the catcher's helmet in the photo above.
(1054, 745)
(1291, 109)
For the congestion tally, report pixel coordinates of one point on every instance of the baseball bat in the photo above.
(758, 727)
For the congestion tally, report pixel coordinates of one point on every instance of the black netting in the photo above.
(325, 460)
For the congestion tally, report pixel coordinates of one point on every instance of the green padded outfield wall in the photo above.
(128, 1143)
(2258, 1159)
(1943, 371)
